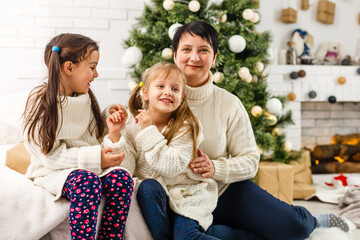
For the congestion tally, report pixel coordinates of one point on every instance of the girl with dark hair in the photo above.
(63, 128)
(159, 144)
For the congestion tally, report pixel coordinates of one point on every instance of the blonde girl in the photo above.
(63, 128)
(160, 141)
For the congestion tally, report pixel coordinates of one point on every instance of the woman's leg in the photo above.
(117, 189)
(83, 189)
(154, 206)
(188, 229)
(244, 205)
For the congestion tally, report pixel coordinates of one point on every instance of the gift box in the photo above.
(325, 12)
(303, 176)
(303, 191)
(18, 158)
(257, 3)
(302, 168)
(304, 4)
(288, 15)
(277, 179)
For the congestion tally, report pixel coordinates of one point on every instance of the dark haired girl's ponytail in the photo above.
(50, 102)
(135, 101)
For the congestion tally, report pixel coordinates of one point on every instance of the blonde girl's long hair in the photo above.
(41, 112)
(181, 115)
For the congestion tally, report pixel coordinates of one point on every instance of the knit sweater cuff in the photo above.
(149, 137)
(221, 171)
(117, 147)
(90, 158)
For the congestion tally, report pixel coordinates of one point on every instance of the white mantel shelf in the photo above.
(322, 79)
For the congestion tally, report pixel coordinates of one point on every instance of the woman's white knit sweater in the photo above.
(74, 148)
(228, 136)
(147, 155)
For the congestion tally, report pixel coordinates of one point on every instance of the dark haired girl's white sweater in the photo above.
(228, 136)
(74, 148)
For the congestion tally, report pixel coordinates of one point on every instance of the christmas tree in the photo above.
(239, 66)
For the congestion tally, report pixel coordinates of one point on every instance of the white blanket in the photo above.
(27, 211)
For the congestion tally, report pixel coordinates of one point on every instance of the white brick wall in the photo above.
(26, 26)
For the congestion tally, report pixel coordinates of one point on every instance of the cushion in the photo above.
(18, 158)
(12, 107)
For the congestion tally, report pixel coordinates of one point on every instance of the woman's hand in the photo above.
(203, 165)
(143, 119)
(115, 122)
(110, 160)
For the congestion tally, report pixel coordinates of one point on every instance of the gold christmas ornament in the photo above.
(259, 66)
(243, 72)
(194, 6)
(218, 77)
(291, 96)
(255, 79)
(223, 18)
(167, 53)
(247, 14)
(272, 118)
(256, 111)
(288, 146)
(168, 4)
(255, 18)
(341, 80)
(276, 131)
(247, 78)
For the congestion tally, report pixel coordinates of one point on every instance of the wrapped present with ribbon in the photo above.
(277, 179)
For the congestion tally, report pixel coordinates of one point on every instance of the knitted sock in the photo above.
(331, 220)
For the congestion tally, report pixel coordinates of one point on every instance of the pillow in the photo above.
(18, 158)
(12, 107)
(9, 133)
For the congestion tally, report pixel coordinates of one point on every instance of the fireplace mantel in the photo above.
(321, 79)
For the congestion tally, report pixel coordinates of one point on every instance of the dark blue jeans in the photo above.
(244, 211)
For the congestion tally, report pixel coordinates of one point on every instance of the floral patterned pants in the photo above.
(84, 190)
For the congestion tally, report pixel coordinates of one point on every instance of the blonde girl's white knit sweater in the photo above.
(147, 155)
(74, 148)
(228, 136)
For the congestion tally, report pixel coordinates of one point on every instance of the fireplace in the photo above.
(316, 120)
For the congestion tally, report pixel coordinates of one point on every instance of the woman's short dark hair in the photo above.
(198, 28)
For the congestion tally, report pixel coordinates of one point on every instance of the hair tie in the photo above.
(141, 84)
(185, 96)
(55, 48)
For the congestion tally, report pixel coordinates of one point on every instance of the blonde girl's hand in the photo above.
(203, 165)
(117, 107)
(110, 160)
(115, 123)
(143, 119)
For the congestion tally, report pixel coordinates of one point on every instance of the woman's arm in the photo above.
(244, 158)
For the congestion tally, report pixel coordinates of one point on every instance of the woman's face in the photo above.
(194, 56)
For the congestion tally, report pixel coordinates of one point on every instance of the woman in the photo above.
(228, 155)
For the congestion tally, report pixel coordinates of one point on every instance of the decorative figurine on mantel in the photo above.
(291, 58)
(303, 42)
(330, 53)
